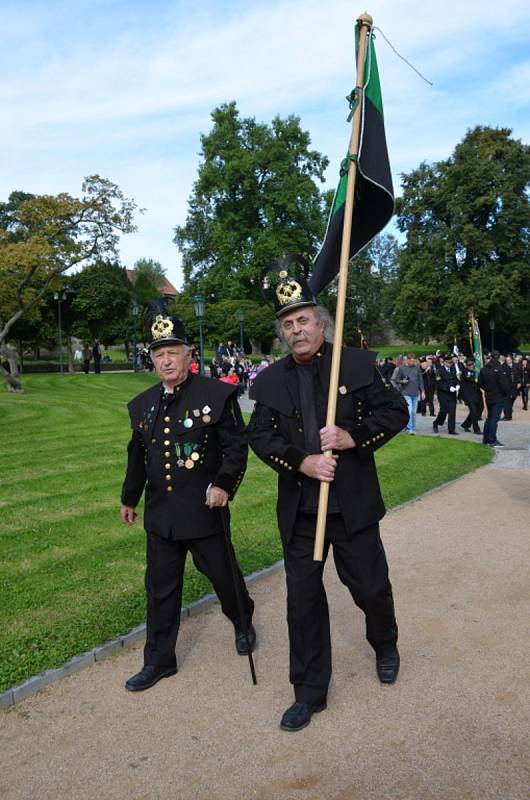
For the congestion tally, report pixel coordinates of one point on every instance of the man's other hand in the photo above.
(128, 515)
(334, 438)
(321, 468)
(216, 497)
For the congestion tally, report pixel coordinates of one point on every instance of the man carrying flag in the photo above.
(313, 449)
(288, 432)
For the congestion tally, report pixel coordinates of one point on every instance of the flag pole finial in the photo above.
(366, 19)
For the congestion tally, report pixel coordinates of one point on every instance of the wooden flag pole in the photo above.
(365, 22)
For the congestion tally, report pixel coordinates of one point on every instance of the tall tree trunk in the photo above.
(69, 353)
(11, 375)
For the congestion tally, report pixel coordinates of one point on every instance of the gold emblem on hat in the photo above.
(161, 327)
(288, 291)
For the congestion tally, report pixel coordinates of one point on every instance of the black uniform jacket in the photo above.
(371, 410)
(468, 386)
(445, 379)
(523, 375)
(177, 450)
(495, 382)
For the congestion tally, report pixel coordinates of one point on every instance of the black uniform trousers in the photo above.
(361, 566)
(447, 409)
(428, 403)
(164, 578)
(473, 404)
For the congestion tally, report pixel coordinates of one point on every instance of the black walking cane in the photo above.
(237, 588)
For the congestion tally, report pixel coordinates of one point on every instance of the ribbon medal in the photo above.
(188, 454)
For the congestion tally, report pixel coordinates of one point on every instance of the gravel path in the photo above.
(454, 726)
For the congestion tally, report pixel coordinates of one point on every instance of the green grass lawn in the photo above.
(71, 575)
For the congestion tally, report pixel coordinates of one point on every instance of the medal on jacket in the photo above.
(188, 454)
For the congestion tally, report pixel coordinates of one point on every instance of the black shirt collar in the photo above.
(290, 363)
(177, 389)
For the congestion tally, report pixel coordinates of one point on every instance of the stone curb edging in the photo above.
(18, 693)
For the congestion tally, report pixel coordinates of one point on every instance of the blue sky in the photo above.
(125, 89)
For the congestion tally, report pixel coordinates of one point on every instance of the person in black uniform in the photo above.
(470, 396)
(188, 449)
(429, 385)
(288, 432)
(447, 386)
(523, 379)
(96, 352)
(511, 371)
(495, 383)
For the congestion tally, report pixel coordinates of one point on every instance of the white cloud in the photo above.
(124, 90)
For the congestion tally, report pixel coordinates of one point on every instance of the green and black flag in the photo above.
(374, 194)
(476, 343)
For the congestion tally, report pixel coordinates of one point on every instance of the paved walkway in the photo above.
(454, 727)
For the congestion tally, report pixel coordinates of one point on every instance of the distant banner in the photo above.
(477, 344)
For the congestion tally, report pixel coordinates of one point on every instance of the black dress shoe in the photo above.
(435, 427)
(478, 432)
(299, 715)
(465, 427)
(150, 675)
(241, 641)
(453, 433)
(388, 666)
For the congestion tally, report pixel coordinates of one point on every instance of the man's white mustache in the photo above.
(298, 337)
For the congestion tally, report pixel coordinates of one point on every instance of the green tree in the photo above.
(102, 304)
(149, 276)
(44, 236)
(254, 199)
(467, 225)
(221, 321)
(370, 276)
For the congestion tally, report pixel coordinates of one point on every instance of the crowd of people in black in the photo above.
(445, 378)
(452, 378)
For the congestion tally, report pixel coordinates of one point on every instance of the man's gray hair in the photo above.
(323, 316)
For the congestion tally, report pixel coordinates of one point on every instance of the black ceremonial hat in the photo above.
(166, 330)
(283, 290)
(291, 292)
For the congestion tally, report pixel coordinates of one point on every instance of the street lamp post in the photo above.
(241, 318)
(198, 305)
(60, 296)
(492, 332)
(135, 312)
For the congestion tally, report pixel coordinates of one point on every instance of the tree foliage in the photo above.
(101, 307)
(254, 199)
(149, 276)
(368, 293)
(221, 321)
(44, 236)
(467, 225)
